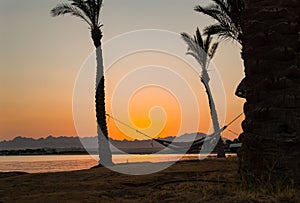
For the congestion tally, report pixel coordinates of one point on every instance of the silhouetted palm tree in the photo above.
(271, 138)
(203, 52)
(227, 13)
(89, 11)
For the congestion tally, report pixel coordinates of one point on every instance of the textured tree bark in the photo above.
(271, 138)
(103, 139)
(105, 156)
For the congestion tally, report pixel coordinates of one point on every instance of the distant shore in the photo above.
(31, 152)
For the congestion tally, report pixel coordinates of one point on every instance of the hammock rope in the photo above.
(233, 132)
(140, 132)
(128, 126)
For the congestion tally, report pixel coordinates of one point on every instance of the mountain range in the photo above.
(89, 143)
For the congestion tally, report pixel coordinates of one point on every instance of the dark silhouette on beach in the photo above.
(203, 51)
(89, 12)
(268, 32)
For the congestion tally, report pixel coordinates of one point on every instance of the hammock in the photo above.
(190, 146)
(183, 146)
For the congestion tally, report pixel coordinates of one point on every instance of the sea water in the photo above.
(56, 163)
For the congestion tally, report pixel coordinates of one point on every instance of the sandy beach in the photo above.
(211, 180)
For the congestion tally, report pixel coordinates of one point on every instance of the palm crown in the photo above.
(200, 49)
(227, 13)
(87, 10)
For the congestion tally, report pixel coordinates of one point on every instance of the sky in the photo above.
(41, 57)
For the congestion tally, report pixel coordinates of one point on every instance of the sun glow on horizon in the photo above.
(153, 92)
(39, 68)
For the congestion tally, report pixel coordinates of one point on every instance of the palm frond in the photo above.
(196, 56)
(207, 43)
(99, 4)
(201, 50)
(223, 5)
(223, 31)
(65, 8)
(94, 6)
(82, 6)
(227, 13)
(192, 46)
(88, 10)
(198, 37)
(212, 12)
(213, 50)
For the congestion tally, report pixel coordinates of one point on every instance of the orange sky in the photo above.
(41, 56)
(167, 118)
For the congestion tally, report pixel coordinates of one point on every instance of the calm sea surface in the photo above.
(55, 163)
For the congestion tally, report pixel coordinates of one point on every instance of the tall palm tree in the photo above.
(89, 12)
(228, 17)
(268, 32)
(271, 138)
(227, 14)
(203, 52)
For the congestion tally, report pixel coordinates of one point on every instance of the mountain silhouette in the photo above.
(91, 143)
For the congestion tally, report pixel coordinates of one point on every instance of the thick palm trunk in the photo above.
(213, 113)
(105, 155)
(271, 138)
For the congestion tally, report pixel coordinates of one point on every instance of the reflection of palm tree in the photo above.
(227, 13)
(202, 51)
(89, 11)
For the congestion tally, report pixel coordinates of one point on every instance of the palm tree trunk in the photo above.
(271, 139)
(213, 113)
(103, 139)
(105, 155)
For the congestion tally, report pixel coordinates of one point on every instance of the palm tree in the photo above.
(203, 52)
(227, 14)
(89, 12)
(270, 151)
(271, 138)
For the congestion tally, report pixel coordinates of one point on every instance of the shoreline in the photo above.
(39, 153)
(12, 173)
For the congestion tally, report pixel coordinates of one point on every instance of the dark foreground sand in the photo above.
(211, 180)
